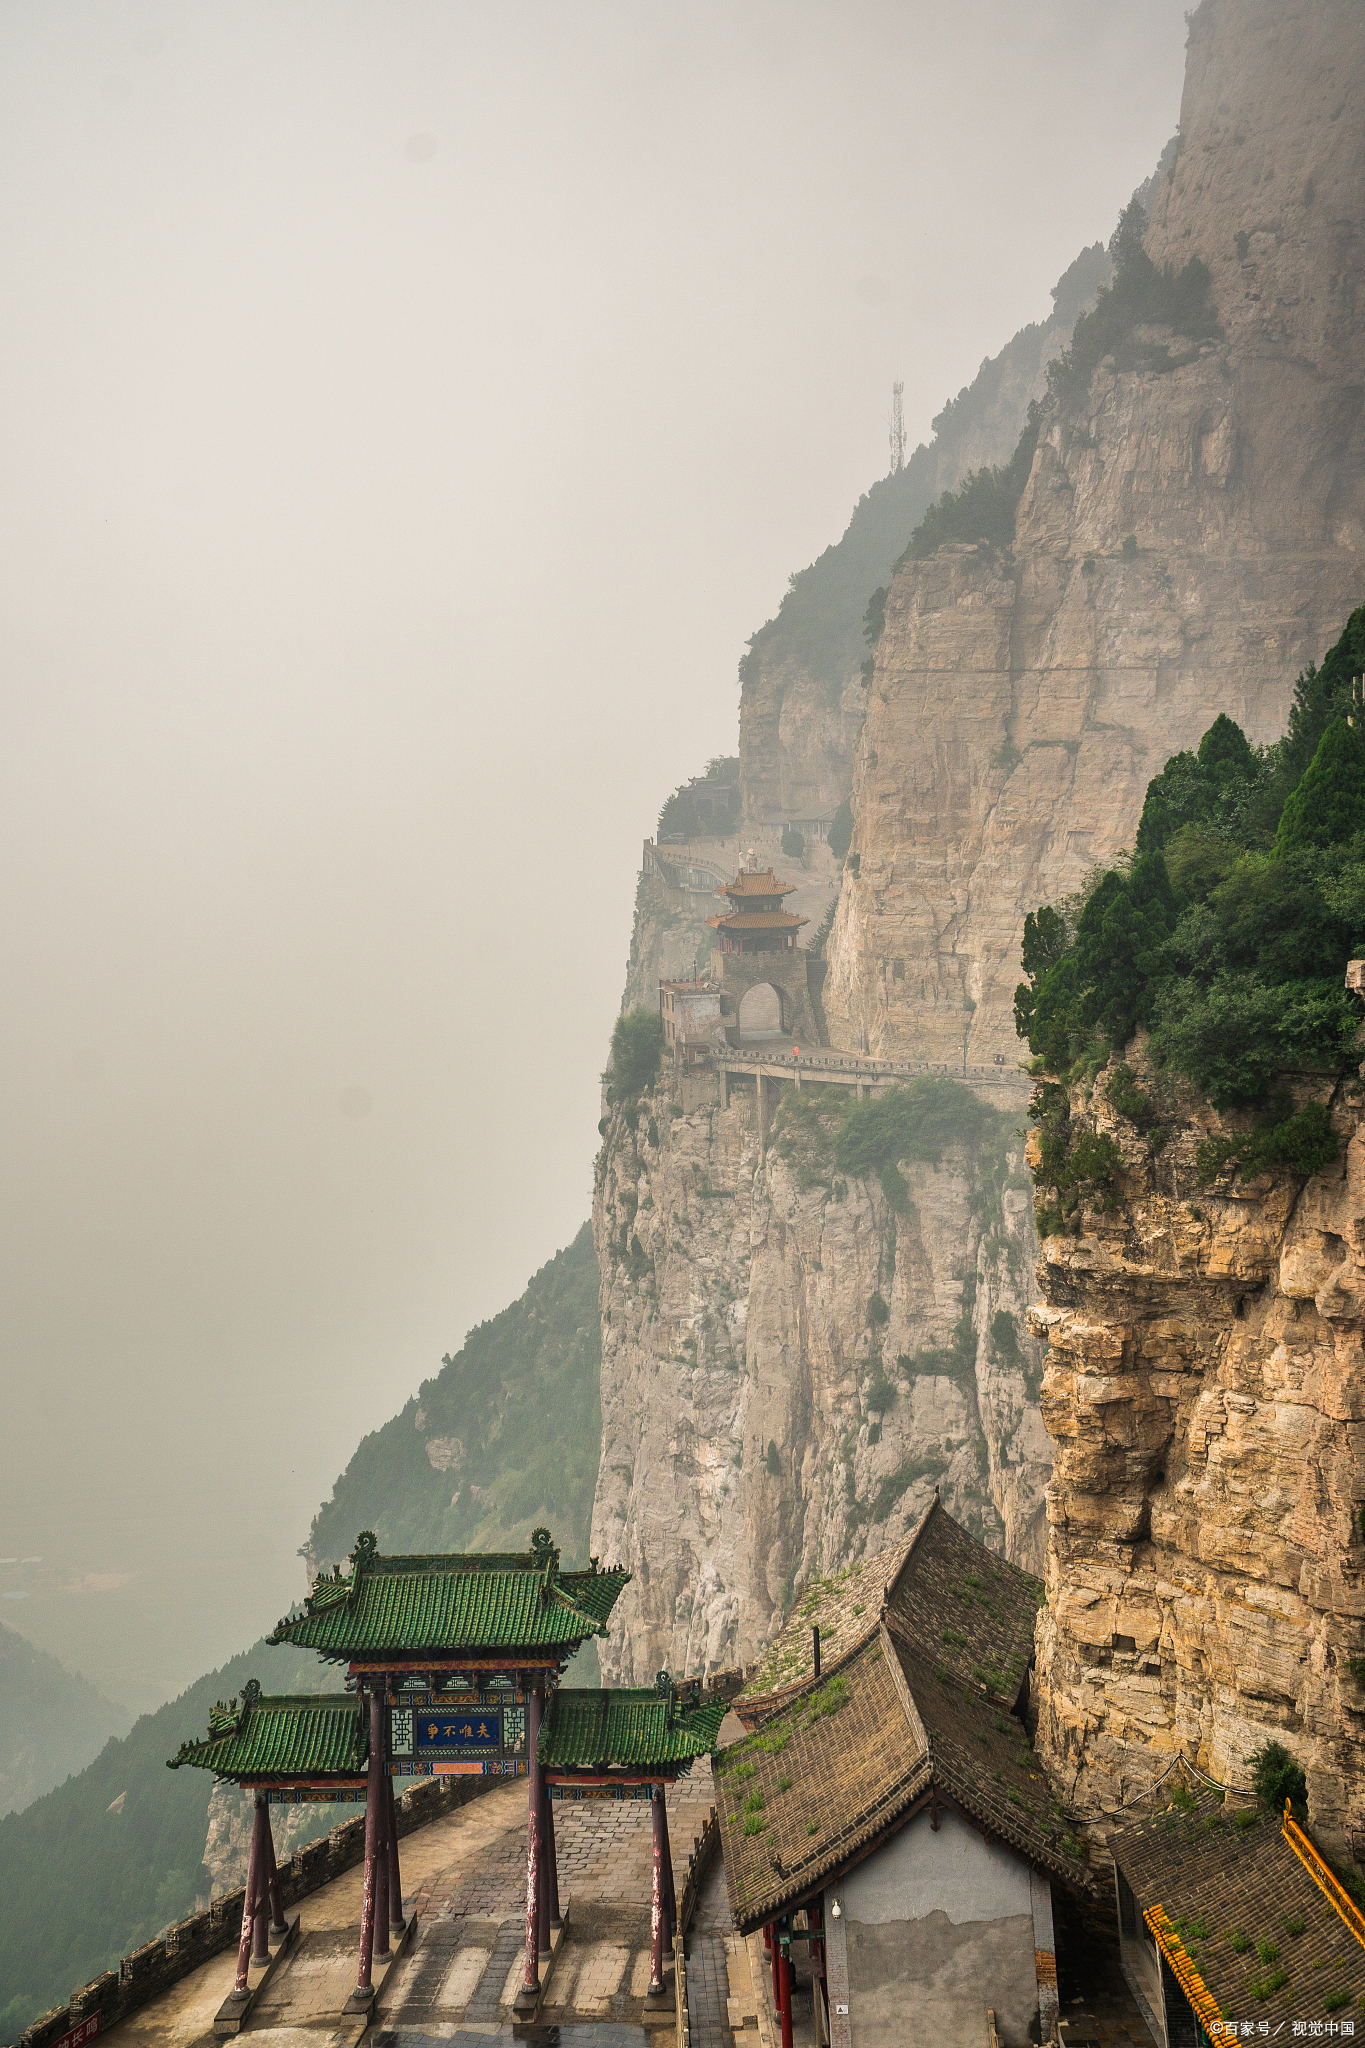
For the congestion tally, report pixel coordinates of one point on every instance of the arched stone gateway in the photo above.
(760, 1011)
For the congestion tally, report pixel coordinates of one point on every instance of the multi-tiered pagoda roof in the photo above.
(756, 896)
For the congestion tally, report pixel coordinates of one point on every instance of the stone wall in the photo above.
(785, 972)
(139, 1978)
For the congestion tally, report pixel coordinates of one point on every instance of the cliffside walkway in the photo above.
(465, 1875)
(821, 1065)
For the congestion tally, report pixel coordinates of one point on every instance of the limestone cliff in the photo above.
(1206, 1389)
(1189, 537)
(758, 1428)
(802, 695)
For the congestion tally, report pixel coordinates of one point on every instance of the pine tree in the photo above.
(1118, 942)
(1328, 805)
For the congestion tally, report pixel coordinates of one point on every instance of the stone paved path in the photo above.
(708, 1981)
(467, 1874)
(467, 1961)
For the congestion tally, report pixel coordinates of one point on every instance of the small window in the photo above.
(898, 970)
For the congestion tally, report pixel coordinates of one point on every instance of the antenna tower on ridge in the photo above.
(897, 430)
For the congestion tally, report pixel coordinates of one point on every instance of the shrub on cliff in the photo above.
(1140, 296)
(637, 1047)
(985, 507)
(840, 836)
(917, 1121)
(1276, 1776)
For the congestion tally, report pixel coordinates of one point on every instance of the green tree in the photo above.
(637, 1045)
(1328, 805)
(1119, 937)
(1277, 1776)
(1319, 694)
(841, 829)
(793, 842)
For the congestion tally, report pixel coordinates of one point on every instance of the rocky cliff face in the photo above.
(802, 694)
(1188, 539)
(751, 1440)
(1205, 1388)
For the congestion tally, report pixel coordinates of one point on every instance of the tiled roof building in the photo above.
(632, 1728)
(1229, 1918)
(756, 882)
(282, 1738)
(894, 1801)
(942, 1588)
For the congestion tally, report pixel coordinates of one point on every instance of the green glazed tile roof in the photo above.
(640, 1727)
(518, 1600)
(292, 1735)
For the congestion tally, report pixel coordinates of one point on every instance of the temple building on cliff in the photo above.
(760, 969)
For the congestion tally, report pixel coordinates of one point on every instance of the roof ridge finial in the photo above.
(366, 1549)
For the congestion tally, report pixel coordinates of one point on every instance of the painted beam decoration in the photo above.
(459, 1729)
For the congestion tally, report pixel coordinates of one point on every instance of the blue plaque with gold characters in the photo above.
(443, 1733)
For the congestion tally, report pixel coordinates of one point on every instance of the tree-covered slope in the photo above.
(504, 1437)
(1225, 936)
(105, 1861)
(52, 1721)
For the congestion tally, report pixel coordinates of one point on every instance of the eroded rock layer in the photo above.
(1190, 536)
(1205, 1390)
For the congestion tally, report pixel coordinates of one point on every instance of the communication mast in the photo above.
(897, 430)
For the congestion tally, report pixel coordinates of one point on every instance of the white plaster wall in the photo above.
(938, 1927)
(955, 1871)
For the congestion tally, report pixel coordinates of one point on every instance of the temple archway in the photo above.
(760, 1011)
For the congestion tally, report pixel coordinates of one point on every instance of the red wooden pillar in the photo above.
(260, 1846)
(531, 1981)
(551, 1861)
(785, 1980)
(774, 1949)
(277, 1926)
(382, 1951)
(819, 1971)
(396, 1920)
(670, 1899)
(374, 1792)
(253, 1880)
(656, 1902)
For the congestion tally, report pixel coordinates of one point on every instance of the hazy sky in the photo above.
(407, 411)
